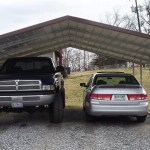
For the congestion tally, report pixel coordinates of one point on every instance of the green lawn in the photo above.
(74, 93)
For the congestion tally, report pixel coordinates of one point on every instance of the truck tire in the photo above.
(141, 118)
(56, 109)
(63, 97)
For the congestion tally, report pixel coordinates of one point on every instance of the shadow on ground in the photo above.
(71, 115)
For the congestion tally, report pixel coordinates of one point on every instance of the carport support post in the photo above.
(149, 66)
(133, 68)
(141, 72)
(60, 57)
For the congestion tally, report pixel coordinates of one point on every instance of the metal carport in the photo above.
(79, 33)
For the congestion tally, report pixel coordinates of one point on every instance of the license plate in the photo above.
(119, 97)
(17, 102)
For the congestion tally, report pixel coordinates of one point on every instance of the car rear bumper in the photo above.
(26, 100)
(140, 109)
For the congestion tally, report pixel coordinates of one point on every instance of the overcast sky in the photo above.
(17, 14)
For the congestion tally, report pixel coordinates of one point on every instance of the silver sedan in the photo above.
(114, 93)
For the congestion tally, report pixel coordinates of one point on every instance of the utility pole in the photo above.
(136, 10)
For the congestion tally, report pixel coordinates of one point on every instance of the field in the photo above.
(74, 93)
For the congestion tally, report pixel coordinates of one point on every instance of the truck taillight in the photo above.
(100, 96)
(137, 96)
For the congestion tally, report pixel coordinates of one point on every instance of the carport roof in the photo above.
(79, 33)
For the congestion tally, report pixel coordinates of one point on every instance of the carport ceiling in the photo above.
(78, 33)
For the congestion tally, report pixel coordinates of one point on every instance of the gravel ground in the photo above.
(34, 132)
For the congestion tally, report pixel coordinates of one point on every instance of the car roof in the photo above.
(113, 74)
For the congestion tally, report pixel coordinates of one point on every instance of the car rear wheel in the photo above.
(88, 118)
(83, 106)
(141, 118)
(56, 109)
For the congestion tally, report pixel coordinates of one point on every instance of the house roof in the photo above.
(69, 31)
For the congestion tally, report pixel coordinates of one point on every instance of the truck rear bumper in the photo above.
(26, 100)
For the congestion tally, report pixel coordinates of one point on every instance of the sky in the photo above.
(17, 14)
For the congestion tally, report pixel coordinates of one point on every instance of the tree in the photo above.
(77, 59)
(145, 17)
(99, 60)
(128, 22)
(67, 53)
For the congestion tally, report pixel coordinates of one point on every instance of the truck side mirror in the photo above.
(60, 69)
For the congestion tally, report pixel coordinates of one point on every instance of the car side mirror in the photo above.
(60, 69)
(83, 84)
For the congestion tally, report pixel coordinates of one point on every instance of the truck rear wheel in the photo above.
(141, 118)
(63, 97)
(56, 109)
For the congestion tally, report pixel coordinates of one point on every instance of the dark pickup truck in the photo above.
(32, 83)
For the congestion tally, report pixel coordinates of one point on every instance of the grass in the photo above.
(74, 93)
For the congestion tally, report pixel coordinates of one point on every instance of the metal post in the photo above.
(141, 72)
(60, 57)
(133, 68)
(149, 66)
(84, 60)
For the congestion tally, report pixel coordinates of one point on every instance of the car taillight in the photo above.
(100, 96)
(137, 96)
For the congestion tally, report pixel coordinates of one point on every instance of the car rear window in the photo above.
(115, 80)
(28, 65)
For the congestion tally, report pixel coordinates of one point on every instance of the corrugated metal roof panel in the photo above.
(79, 33)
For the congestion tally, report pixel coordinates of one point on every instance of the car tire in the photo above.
(141, 118)
(88, 118)
(56, 109)
(83, 106)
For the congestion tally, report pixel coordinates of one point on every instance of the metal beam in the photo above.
(103, 50)
(116, 38)
(108, 47)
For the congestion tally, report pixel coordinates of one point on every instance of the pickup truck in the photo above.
(30, 84)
